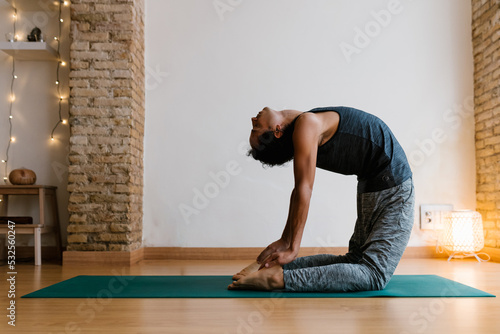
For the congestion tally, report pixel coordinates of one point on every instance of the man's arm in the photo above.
(305, 139)
(287, 230)
(283, 243)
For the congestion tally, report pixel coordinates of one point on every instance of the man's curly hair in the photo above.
(274, 151)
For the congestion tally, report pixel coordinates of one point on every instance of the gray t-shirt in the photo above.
(364, 146)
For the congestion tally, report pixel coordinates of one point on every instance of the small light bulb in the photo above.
(64, 121)
(5, 178)
(14, 15)
(11, 117)
(55, 37)
(3, 161)
(57, 82)
(12, 98)
(60, 98)
(15, 76)
(63, 63)
(12, 139)
(52, 138)
(61, 20)
(66, 3)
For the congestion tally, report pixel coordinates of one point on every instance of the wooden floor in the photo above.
(376, 315)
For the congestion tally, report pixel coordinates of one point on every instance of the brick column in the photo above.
(486, 46)
(107, 125)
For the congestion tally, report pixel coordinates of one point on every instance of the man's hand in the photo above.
(279, 252)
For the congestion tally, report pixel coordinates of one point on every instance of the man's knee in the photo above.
(378, 281)
(381, 283)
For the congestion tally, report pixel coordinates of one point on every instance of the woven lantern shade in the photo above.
(463, 233)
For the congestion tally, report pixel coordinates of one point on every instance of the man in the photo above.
(341, 140)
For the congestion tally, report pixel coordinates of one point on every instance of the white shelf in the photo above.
(29, 50)
(34, 5)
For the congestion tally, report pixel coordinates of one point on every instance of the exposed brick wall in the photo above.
(107, 102)
(486, 46)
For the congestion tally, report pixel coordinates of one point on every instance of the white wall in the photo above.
(35, 113)
(209, 71)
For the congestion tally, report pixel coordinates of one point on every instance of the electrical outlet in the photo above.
(431, 215)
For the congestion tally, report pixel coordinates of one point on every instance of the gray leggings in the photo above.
(382, 231)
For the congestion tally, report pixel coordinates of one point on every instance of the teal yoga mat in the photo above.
(216, 287)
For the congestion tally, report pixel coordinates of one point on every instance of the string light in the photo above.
(12, 99)
(59, 64)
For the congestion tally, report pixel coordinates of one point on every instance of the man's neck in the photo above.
(289, 115)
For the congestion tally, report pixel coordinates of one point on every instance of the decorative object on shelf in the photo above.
(22, 177)
(463, 234)
(10, 37)
(35, 35)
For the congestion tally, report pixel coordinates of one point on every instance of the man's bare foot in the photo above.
(265, 279)
(253, 267)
